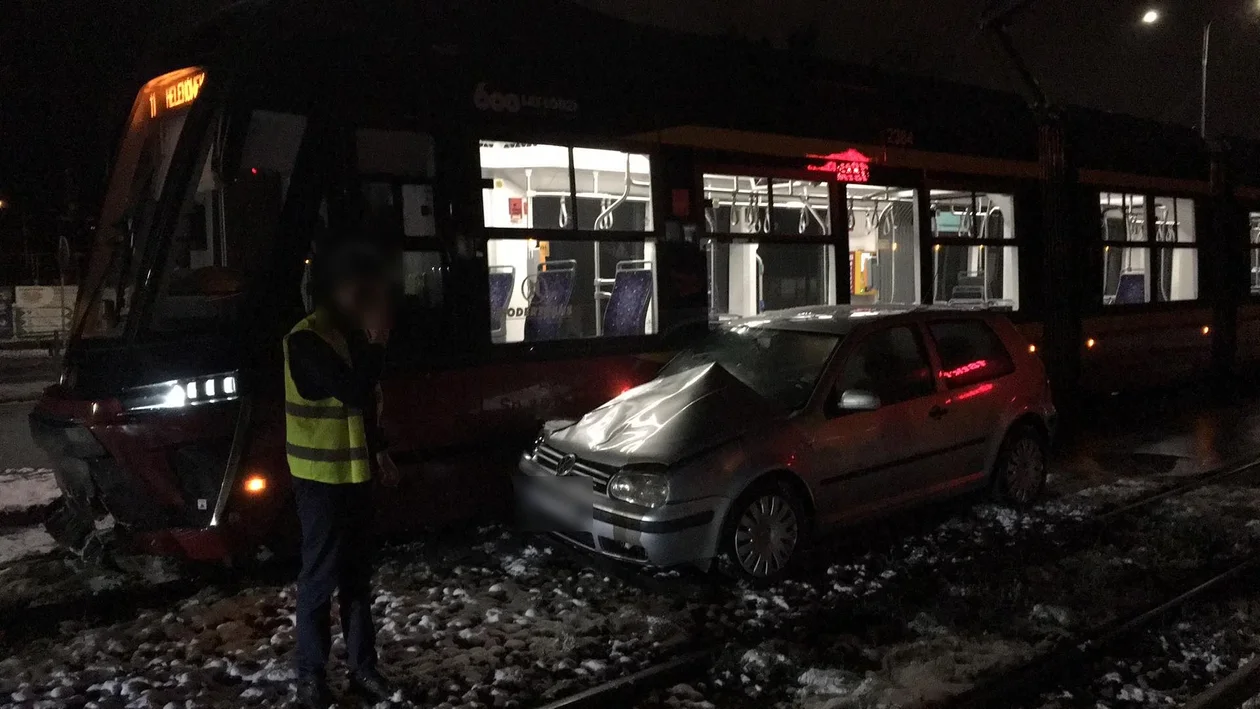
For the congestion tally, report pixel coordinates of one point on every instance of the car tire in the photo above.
(768, 516)
(1019, 473)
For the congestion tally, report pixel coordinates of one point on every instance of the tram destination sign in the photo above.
(848, 166)
(179, 91)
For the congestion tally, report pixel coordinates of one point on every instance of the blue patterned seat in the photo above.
(626, 313)
(502, 280)
(1131, 289)
(549, 306)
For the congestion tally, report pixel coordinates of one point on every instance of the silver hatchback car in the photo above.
(775, 427)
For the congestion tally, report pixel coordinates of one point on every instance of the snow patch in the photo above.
(24, 542)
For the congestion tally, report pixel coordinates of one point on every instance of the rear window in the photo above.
(970, 352)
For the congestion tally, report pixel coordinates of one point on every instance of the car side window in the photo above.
(892, 364)
(970, 351)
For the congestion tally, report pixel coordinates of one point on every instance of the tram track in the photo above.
(20, 624)
(1084, 649)
(1242, 684)
(702, 654)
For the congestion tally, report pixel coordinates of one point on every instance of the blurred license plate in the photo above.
(549, 503)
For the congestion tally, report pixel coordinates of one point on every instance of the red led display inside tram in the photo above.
(848, 166)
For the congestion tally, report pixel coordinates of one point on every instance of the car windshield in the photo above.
(781, 365)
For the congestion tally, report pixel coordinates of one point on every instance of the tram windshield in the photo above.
(153, 129)
(198, 267)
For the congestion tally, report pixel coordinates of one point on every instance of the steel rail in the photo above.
(624, 691)
(1241, 684)
(1039, 673)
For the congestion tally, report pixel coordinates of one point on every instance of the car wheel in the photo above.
(763, 533)
(1020, 472)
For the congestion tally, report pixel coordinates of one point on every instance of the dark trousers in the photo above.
(336, 554)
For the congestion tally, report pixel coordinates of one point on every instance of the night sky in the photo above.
(1090, 52)
(63, 64)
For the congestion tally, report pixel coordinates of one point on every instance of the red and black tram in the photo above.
(569, 197)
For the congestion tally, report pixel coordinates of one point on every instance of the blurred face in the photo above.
(357, 298)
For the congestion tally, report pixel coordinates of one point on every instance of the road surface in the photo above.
(26, 485)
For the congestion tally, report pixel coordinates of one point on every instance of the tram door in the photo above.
(884, 244)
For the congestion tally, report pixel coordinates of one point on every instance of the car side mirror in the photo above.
(858, 400)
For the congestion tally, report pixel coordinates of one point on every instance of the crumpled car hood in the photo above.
(668, 419)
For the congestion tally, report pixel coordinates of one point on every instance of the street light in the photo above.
(1151, 17)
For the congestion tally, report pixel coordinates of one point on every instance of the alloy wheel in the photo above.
(1025, 470)
(766, 536)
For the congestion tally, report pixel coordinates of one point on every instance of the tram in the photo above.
(569, 197)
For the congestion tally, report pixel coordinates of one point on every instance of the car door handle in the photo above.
(937, 412)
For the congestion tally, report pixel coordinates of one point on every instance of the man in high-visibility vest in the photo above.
(333, 360)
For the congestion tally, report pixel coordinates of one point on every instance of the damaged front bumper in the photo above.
(676, 534)
(161, 475)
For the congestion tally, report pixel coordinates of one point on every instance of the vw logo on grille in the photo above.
(566, 464)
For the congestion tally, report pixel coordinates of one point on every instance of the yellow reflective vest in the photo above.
(325, 440)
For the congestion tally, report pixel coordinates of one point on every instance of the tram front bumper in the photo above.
(568, 508)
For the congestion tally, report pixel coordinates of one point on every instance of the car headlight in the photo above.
(640, 485)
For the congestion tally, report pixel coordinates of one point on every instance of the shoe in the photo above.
(313, 693)
(371, 685)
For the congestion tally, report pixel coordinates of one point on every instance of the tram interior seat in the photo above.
(549, 302)
(969, 289)
(626, 312)
(502, 280)
(1131, 288)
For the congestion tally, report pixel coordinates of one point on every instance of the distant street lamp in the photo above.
(1151, 17)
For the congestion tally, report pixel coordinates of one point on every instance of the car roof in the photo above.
(842, 319)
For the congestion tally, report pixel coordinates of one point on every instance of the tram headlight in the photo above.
(182, 393)
(175, 397)
(644, 485)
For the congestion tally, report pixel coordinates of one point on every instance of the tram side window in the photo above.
(396, 169)
(531, 186)
(395, 207)
(761, 256)
(594, 274)
(1253, 225)
(1150, 254)
(571, 289)
(975, 255)
(394, 152)
(884, 244)
(226, 230)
